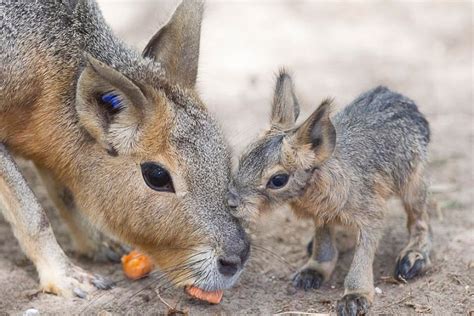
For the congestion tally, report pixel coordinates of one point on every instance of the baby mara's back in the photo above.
(381, 133)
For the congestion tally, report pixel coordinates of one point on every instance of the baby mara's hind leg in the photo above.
(87, 240)
(33, 231)
(322, 260)
(414, 259)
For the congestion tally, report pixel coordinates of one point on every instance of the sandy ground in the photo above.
(420, 48)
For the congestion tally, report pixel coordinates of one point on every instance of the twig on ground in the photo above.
(392, 280)
(455, 278)
(419, 308)
(171, 310)
(398, 302)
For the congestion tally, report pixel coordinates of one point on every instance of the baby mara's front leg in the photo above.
(31, 227)
(359, 282)
(322, 261)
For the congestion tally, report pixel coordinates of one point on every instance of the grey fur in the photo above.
(342, 174)
(381, 132)
(324, 248)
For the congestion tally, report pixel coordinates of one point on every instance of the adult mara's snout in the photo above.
(235, 254)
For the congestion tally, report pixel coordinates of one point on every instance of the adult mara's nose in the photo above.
(235, 255)
(228, 266)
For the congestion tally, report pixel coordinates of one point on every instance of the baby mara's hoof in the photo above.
(410, 265)
(307, 279)
(74, 282)
(353, 305)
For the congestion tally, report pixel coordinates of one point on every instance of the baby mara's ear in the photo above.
(110, 106)
(176, 45)
(318, 132)
(285, 108)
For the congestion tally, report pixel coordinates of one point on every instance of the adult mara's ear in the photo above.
(285, 108)
(110, 106)
(318, 132)
(176, 45)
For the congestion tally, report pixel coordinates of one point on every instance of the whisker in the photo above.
(272, 253)
(182, 258)
(184, 273)
(183, 264)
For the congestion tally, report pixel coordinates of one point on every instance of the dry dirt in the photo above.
(420, 48)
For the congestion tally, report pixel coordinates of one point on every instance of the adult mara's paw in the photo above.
(108, 250)
(72, 281)
(353, 305)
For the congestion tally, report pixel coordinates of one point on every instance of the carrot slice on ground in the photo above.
(136, 265)
(213, 297)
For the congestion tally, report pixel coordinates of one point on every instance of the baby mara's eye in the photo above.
(157, 177)
(278, 181)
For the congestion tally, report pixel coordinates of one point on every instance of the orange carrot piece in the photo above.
(213, 297)
(136, 265)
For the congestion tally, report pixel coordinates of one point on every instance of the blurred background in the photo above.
(340, 49)
(421, 48)
(333, 48)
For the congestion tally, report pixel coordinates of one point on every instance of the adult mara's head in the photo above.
(158, 165)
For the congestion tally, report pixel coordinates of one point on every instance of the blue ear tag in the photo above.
(112, 99)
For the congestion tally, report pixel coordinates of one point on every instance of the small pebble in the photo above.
(378, 290)
(333, 286)
(31, 312)
(79, 292)
(291, 290)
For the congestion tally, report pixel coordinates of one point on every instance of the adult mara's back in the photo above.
(122, 142)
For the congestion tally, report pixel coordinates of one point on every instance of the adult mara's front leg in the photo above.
(31, 227)
(87, 240)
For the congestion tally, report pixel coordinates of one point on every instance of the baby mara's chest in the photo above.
(322, 206)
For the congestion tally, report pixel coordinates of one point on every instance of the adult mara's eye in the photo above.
(156, 177)
(278, 181)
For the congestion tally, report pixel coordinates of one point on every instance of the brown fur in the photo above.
(54, 111)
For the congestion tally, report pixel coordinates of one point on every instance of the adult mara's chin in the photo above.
(205, 269)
